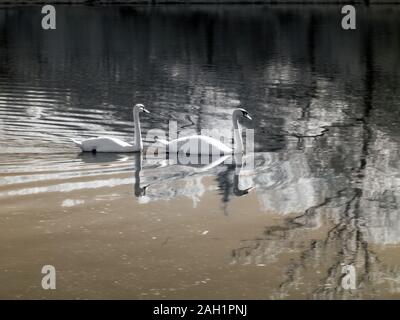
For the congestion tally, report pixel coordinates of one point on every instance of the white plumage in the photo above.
(200, 144)
(110, 144)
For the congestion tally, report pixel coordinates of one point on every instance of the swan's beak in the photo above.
(145, 110)
(248, 116)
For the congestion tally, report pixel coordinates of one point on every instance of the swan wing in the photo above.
(106, 144)
(198, 144)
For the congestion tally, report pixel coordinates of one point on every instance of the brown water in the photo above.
(323, 192)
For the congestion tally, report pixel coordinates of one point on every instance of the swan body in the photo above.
(105, 144)
(196, 144)
(110, 144)
(200, 144)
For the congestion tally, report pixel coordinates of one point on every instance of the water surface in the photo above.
(323, 192)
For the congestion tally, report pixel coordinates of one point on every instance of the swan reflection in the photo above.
(344, 216)
(139, 190)
(166, 179)
(88, 157)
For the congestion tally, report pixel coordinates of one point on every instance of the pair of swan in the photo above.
(110, 144)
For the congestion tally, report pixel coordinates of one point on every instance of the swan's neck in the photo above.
(138, 133)
(237, 135)
(138, 168)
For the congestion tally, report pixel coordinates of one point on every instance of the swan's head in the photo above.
(242, 112)
(140, 107)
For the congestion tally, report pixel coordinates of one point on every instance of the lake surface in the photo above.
(323, 192)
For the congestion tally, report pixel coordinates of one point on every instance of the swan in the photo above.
(110, 144)
(200, 144)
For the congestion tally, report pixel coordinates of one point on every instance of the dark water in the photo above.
(325, 104)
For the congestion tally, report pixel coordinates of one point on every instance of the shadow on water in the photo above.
(88, 157)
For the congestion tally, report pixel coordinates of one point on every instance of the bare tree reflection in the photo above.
(358, 215)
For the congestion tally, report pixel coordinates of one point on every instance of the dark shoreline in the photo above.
(197, 2)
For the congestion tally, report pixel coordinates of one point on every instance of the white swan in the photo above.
(200, 144)
(110, 144)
